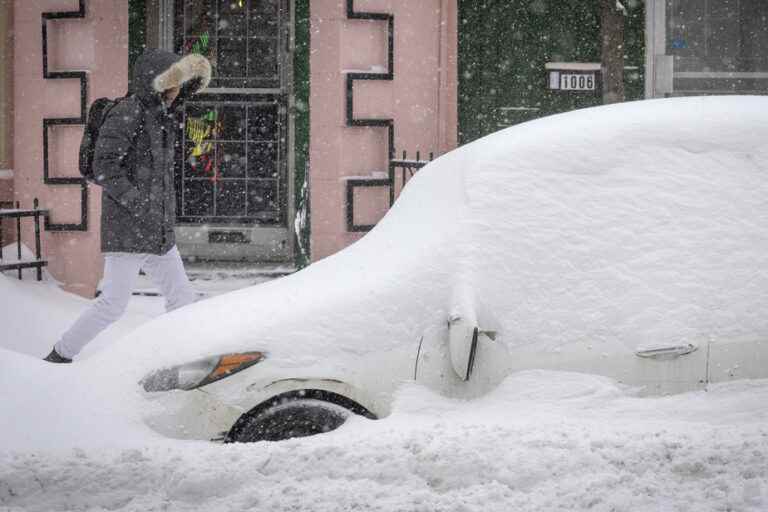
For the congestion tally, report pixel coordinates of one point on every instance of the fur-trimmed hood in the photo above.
(158, 70)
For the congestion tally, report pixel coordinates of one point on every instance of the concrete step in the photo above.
(215, 278)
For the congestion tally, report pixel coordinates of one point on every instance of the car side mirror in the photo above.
(462, 345)
(463, 337)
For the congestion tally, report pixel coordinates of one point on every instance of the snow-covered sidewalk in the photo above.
(27, 302)
(541, 441)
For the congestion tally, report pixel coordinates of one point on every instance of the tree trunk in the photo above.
(612, 36)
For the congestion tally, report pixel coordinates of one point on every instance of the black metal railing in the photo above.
(404, 169)
(401, 170)
(18, 213)
(50, 122)
(352, 121)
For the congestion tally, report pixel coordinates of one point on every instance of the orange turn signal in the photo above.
(201, 372)
(232, 363)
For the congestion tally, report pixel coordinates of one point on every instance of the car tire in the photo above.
(295, 414)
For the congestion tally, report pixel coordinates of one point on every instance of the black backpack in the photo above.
(98, 112)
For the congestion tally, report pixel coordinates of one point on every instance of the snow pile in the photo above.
(629, 224)
(541, 441)
(69, 440)
(25, 303)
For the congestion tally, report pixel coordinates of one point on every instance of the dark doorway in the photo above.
(232, 167)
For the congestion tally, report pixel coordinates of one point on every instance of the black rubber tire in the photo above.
(294, 415)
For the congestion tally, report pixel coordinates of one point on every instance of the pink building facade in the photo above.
(418, 97)
(96, 44)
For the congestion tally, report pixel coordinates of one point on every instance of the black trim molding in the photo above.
(67, 121)
(352, 121)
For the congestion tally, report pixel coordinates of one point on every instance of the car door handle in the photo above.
(668, 352)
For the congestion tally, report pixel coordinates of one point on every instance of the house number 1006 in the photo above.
(577, 82)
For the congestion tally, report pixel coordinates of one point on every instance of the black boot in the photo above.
(54, 357)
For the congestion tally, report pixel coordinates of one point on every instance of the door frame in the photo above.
(160, 34)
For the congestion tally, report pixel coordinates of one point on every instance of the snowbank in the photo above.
(69, 440)
(541, 441)
(34, 314)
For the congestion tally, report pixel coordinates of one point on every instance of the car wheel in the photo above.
(295, 414)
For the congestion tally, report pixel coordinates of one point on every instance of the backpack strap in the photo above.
(140, 124)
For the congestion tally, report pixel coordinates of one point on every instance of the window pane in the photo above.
(232, 123)
(232, 161)
(264, 6)
(718, 35)
(198, 164)
(199, 130)
(725, 44)
(264, 25)
(262, 199)
(262, 122)
(689, 9)
(239, 37)
(198, 198)
(262, 160)
(723, 7)
(262, 59)
(230, 198)
(232, 18)
(231, 57)
(198, 18)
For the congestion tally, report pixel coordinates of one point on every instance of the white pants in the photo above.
(120, 272)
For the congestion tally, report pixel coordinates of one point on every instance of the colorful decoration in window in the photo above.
(199, 46)
(200, 130)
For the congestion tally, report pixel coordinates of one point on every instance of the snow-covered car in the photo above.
(629, 241)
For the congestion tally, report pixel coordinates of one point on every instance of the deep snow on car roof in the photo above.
(642, 222)
(669, 133)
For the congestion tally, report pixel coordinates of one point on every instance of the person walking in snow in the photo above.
(134, 164)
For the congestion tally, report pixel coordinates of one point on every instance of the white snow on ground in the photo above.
(541, 441)
(34, 299)
(34, 314)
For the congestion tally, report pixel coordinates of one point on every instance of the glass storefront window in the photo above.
(718, 45)
(232, 169)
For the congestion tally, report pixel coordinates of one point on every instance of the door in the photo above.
(656, 369)
(233, 174)
(708, 47)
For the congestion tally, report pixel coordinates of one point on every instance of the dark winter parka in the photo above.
(134, 155)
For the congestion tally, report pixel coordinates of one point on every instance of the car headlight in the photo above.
(199, 373)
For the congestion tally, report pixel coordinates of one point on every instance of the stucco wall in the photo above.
(98, 44)
(421, 99)
(6, 112)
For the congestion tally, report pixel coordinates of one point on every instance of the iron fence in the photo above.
(18, 213)
(401, 170)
